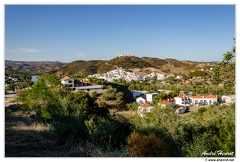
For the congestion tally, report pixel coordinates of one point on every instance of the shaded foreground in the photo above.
(24, 137)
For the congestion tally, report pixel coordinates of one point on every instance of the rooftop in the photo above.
(65, 78)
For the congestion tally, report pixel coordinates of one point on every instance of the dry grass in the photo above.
(26, 137)
(127, 114)
(36, 127)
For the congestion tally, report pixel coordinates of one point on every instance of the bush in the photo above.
(69, 128)
(94, 94)
(119, 96)
(202, 110)
(145, 146)
(109, 133)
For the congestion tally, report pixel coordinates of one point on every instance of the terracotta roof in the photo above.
(182, 95)
(166, 102)
(145, 105)
(208, 96)
(65, 78)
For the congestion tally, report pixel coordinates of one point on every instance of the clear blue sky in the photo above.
(83, 32)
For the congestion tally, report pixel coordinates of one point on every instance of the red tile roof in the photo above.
(65, 78)
(166, 102)
(182, 95)
(208, 96)
(145, 105)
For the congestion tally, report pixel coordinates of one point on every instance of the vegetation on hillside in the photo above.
(131, 62)
(225, 71)
(81, 123)
(76, 121)
(32, 67)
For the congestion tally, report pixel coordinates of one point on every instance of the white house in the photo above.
(79, 85)
(144, 108)
(68, 81)
(206, 100)
(181, 99)
(150, 96)
(228, 99)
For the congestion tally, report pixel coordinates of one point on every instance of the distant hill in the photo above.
(32, 66)
(143, 65)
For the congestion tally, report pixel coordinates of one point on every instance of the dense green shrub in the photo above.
(202, 110)
(109, 133)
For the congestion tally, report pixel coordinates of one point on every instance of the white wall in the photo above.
(208, 100)
(229, 99)
(178, 100)
(150, 96)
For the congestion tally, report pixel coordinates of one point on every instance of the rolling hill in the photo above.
(143, 65)
(32, 66)
(140, 65)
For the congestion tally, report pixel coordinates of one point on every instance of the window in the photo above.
(205, 102)
(196, 102)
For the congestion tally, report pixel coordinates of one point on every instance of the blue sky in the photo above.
(91, 32)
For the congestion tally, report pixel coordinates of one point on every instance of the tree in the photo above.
(225, 71)
(227, 57)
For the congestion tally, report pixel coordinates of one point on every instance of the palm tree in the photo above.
(227, 57)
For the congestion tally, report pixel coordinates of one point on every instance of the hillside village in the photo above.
(120, 80)
(144, 98)
(118, 103)
(128, 76)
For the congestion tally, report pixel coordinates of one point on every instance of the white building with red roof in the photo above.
(206, 100)
(144, 108)
(181, 99)
(68, 81)
(79, 85)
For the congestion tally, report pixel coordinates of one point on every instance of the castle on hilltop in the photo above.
(125, 55)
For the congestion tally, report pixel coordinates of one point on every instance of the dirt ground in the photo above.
(24, 136)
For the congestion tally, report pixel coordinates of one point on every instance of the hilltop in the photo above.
(143, 66)
(139, 65)
(32, 66)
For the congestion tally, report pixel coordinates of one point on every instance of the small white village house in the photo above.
(79, 85)
(144, 108)
(68, 81)
(181, 99)
(228, 99)
(206, 100)
(167, 102)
